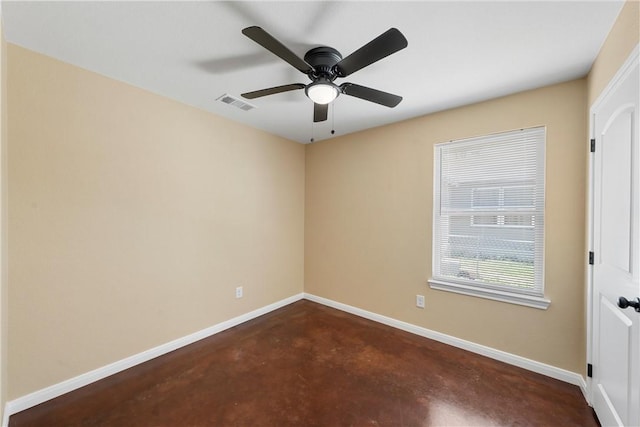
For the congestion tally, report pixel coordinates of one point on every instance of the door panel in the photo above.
(615, 332)
(616, 142)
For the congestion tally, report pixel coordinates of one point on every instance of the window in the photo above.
(503, 197)
(489, 217)
(500, 199)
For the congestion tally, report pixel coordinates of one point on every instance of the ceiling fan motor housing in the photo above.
(323, 59)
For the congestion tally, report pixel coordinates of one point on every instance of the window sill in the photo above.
(513, 298)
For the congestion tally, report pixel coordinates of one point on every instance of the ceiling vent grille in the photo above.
(232, 100)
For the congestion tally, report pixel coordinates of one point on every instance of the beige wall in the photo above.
(4, 330)
(133, 218)
(368, 216)
(624, 36)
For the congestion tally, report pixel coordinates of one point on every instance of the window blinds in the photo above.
(489, 211)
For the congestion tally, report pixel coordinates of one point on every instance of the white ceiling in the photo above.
(459, 52)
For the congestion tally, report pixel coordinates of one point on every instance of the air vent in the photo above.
(232, 100)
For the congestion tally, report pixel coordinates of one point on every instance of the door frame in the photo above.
(617, 79)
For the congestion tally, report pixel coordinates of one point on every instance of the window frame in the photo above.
(470, 286)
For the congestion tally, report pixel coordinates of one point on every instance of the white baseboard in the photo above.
(512, 359)
(48, 393)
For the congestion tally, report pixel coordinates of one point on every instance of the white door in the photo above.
(616, 227)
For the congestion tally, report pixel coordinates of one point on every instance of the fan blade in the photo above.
(382, 46)
(373, 95)
(320, 112)
(267, 41)
(272, 90)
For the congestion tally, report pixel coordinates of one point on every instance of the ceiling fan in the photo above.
(324, 64)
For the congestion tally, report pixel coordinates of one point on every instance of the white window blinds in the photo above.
(489, 212)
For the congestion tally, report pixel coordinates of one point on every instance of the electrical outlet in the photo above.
(420, 301)
(239, 292)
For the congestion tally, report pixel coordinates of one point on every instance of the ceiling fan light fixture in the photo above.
(322, 92)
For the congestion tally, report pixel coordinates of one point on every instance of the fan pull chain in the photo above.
(333, 124)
